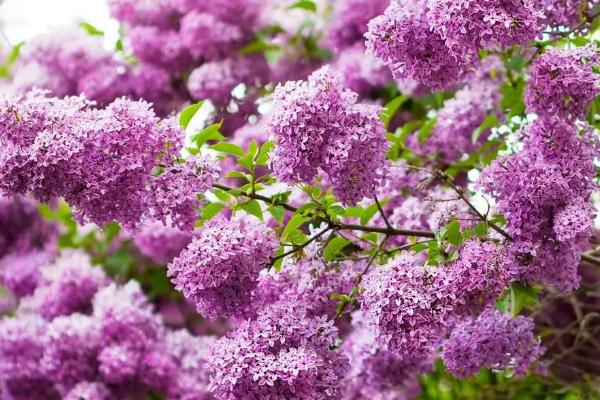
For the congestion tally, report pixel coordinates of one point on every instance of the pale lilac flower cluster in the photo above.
(436, 42)
(545, 184)
(100, 160)
(161, 243)
(565, 13)
(493, 340)
(377, 373)
(407, 305)
(219, 269)
(283, 353)
(310, 282)
(318, 125)
(487, 24)
(349, 20)
(361, 73)
(563, 83)
(457, 120)
(117, 348)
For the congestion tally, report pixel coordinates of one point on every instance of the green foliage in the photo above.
(188, 113)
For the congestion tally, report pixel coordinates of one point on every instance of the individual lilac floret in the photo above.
(496, 24)
(161, 243)
(69, 286)
(70, 349)
(403, 39)
(494, 340)
(355, 163)
(349, 20)
(563, 83)
(216, 80)
(219, 270)
(406, 304)
(376, 373)
(174, 194)
(281, 354)
(480, 275)
(89, 391)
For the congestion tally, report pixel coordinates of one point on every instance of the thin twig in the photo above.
(385, 219)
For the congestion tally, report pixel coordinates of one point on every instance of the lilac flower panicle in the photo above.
(283, 353)
(174, 196)
(403, 39)
(485, 24)
(563, 83)
(89, 391)
(161, 243)
(209, 38)
(349, 20)
(407, 305)
(493, 340)
(219, 269)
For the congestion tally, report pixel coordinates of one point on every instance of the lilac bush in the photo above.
(324, 199)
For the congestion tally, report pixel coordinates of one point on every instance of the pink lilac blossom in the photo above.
(70, 347)
(174, 194)
(219, 269)
(144, 12)
(89, 391)
(563, 83)
(485, 24)
(407, 305)
(404, 40)
(161, 243)
(349, 20)
(20, 273)
(161, 47)
(318, 125)
(361, 72)
(117, 364)
(565, 13)
(208, 38)
(481, 274)
(283, 353)
(105, 83)
(68, 286)
(493, 340)
(215, 80)
(376, 373)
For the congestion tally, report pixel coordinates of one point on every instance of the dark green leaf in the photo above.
(252, 207)
(296, 221)
(334, 246)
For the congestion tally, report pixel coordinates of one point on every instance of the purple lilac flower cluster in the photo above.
(101, 161)
(436, 42)
(78, 336)
(544, 190)
(318, 126)
(493, 340)
(218, 271)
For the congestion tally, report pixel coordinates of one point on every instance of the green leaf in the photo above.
(305, 5)
(91, 29)
(489, 122)
(263, 155)
(278, 212)
(453, 234)
(238, 174)
(221, 194)
(188, 113)
(426, 129)
(210, 210)
(297, 237)
(247, 161)
(258, 46)
(521, 296)
(481, 229)
(368, 213)
(277, 264)
(252, 207)
(211, 132)
(229, 148)
(296, 221)
(392, 108)
(419, 247)
(334, 246)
